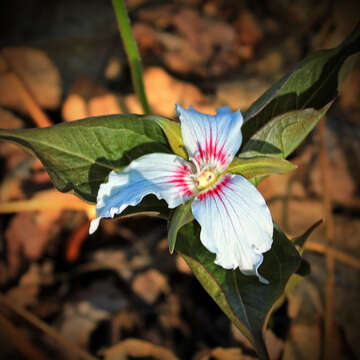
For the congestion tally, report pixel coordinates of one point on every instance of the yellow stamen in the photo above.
(205, 179)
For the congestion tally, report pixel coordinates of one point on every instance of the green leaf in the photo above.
(172, 130)
(260, 166)
(300, 241)
(246, 301)
(312, 84)
(181, 216)
(79, 155)
(149, 206)
(283, 134)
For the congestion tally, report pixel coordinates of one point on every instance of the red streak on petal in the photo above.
(217, 190)
(209, 152)
(181, 181)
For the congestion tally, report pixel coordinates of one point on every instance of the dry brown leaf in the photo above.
(196, 43)
(339, 172)
(149, 284)
(14, 155)
(146, 37)
(115, 260)
(164, 92)
(248, 28)
(240, 337)
(88, 98)
(137, 348)
(74, 108)
(104, 105)
(182, 265)
(274, 345)
(170, 314)
(126, 320)
(303, 343)
(27, 291)
(222, 354)
(29, 233)
(49, 200)
(113, 68)
(40, 76)
(79, 321)
(239, 94)
(8, 120)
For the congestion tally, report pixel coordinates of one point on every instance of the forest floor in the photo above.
(119, 293)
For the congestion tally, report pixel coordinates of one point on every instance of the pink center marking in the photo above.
(181, 180)
(217, 190)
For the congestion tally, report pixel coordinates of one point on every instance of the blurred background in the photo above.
(62, 61)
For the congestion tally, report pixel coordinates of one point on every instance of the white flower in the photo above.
(235, 221)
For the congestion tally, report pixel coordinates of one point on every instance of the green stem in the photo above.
(132, 52)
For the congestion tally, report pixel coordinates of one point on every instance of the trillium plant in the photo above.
(235, 221)
(200, 172)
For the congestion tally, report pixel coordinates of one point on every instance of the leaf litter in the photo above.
(120, 300)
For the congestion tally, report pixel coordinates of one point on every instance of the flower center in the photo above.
(205, 179)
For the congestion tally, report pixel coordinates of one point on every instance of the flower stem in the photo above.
(132, 52)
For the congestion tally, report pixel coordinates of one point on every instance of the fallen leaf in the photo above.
(187, 40)
(149, 284)
(248, 28)
(28, 234)
(74, 108)
(34, 68)
(303, 343)
(170, 314)
(222, 354)
(164, 91)
(88, 98)
(135, 348)
(9, 120)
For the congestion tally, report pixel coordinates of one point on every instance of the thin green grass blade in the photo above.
(132, 52)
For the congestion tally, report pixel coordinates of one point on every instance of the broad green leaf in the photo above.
(312, 84)
(180, 217)
(172, 130)
(149, 206)
(300, 241)
(79, 155)
(260, 166)
(246, 301)
(283, 134)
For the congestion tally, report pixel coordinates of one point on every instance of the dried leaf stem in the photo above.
(35, 321)
(19, 340)
(330, 236)
(35, 111)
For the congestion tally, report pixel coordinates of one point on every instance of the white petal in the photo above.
(235, 224)
(211, 139)
(164, 175)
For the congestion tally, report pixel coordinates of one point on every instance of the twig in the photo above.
(18, 340)
(75, 241)
(35, 321)
(39, 204)
(330, 236)
(337, 254)
(49, 200)
(35, 111)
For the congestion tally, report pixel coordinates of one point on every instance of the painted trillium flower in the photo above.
(235, 221)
